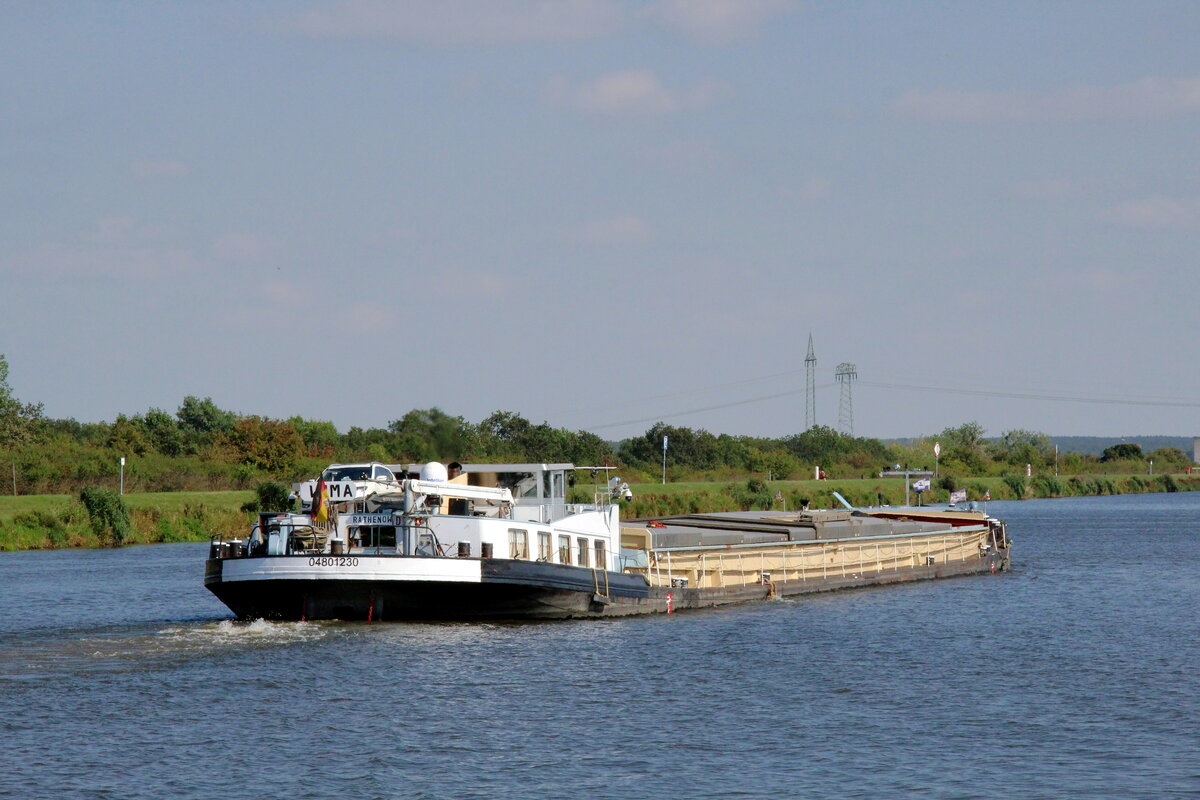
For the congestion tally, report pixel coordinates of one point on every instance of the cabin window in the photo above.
(375, 536)
(564, 549)
(543, 546)
(583, 552)
(601, 562)
(554, 485)
(518, 543)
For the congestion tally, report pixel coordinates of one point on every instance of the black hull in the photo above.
(523, 590)
(509, 590)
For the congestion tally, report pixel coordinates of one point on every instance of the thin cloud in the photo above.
(634, 92)
(111, 262)
(717, 21)
(1047, 189)
(245, 247)
(626, 229)
(160, 169)
(442, 22)
(1098, 281)
(683, 155)
(1147, 98)
(810, 191)
(1157, 213)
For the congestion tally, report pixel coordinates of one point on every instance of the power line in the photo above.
(1062, 398)
(692, 391)
(1006, 395)
(660, 417)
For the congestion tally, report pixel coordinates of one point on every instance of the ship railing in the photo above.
(745, 565)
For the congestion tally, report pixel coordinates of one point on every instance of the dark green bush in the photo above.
(270, 496)
(108, 515)
(1048, 486)
(1015, 484)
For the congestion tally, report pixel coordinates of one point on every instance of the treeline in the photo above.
(201, 446)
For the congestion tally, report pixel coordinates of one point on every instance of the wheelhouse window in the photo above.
(518, 543)
(564, 549)
(356, 473)
(582, 552)
(544, 552)
(374, 537)
(601, 563)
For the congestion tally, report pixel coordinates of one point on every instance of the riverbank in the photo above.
(48, 522)
(54, 521)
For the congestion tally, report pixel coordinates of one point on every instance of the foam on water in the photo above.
(124, 649)
(228, 632)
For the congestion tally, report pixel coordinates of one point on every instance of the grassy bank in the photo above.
(39, 522)
(49, 521)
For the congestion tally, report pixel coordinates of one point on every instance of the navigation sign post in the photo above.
(122, 475)
(664, 459)
(907, 473)
(937, 453)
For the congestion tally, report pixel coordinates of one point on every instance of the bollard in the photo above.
(485, 550)
(464, 549)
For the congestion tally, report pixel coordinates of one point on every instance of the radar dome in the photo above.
(433, 471)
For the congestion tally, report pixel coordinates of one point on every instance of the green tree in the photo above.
(432, 434)
(162, 431)
(1169, 457)
(268, 444)
(320, 436)
(692, 449)
(1122, 452)
(18, 421)
(203, 416)
(964, 448)
(127, 437)
(1025, 447)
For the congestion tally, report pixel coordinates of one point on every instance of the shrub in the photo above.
(949, 483)
(270, 496)
(1016, 485)
(1048, 486)
(108, 515)
(54, 525)
(754, 495)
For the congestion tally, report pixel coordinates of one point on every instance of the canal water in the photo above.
(1073, 676)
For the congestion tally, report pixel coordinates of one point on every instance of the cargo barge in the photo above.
(500, 542)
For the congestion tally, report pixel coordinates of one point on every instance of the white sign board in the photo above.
(358, 520)
(340, 491)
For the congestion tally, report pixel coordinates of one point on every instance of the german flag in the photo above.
(320, 502)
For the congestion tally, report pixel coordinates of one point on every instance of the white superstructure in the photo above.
(516, 511)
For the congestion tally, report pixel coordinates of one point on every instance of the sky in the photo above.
(601, 214)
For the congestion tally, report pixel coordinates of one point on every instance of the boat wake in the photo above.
(142, 648)
(230, 632)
